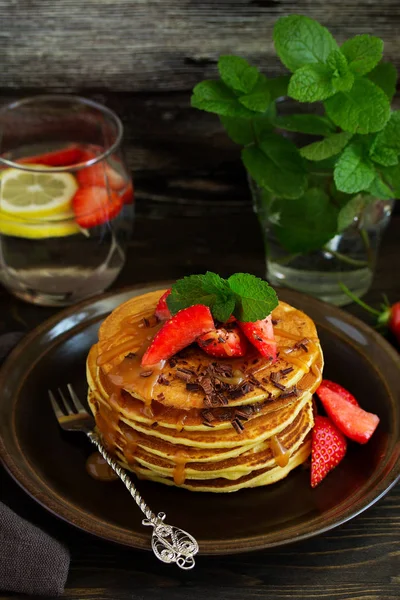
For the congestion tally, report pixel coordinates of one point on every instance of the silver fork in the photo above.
(170, 544)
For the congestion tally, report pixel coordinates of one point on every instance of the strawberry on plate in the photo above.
(94, 205)
(356, 423)
(224, 342)
(335, 387)
(70, 155)
(261, 335)
(162, 311)
(178, 332)
(100, 174)
(328, 447)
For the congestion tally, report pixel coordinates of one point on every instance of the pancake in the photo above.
(200, 422)
(130, 328)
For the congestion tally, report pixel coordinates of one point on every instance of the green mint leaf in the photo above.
(308, 223)
(237, 73)
(351, 211)
(188, 291)
(277, 166)
(384, 156)
(342, 77)
(301, 41)
(354, 171)
(244, 295)
(278, 86)
(216, 97)
(260, 97)
(380, 190)
(385, 77)
(326, 148)
(391, 176)
(209, 289)
(389, 137)
(239, 130)
(312, 124)
(214, 284)
(363, 53)
(363, 109)
(311, 83)
(255, 299)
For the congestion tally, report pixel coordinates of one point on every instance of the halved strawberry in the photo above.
(328, 447)
(94, 205)
(178, 332)
(335, 387)
(356, 423)
(162, 311)
(127, 196)
(100, 174)
(261, 335)
(224, 342)
(70, 155)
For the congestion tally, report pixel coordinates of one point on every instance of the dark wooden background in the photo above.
(142, 58)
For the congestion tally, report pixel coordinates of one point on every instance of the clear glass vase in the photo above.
(348, 258)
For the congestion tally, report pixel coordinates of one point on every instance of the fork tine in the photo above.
(57, 410)
(77, 403)
(67, 405)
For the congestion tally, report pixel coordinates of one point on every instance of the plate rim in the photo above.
(382, 481)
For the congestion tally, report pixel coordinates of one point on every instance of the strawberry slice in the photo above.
(328, 447)
(224, 342)
(127, 196)
(356, 423)
(261, 335)
(178, 332)
(100, 174)
(94, 205)
(70, 155)
(162, 311)
(335, 387)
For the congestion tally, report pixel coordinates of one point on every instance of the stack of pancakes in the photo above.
(204, 423)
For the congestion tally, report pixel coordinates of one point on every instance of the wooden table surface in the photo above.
(357, 561)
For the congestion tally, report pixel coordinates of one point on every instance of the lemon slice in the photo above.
(23, 228)
(36, 195)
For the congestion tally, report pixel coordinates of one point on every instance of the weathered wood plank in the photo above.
(160, 45)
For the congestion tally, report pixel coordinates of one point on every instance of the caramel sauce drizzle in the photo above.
(179, 474)
(281, 453)
(294, 360)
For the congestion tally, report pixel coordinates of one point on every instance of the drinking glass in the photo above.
(66, 199)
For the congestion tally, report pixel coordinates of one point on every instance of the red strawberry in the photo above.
(223, 342)
(394, 320)
(387, 317)
(100, 174)
(178, 332)
(328, 447)
(335, 387)
(356, 423)
(70, 155)
(94, 206)
(261, 335)
(127, 196)
(162, 311)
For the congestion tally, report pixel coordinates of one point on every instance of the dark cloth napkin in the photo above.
(31, 561)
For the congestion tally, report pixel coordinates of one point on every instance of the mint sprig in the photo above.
(245, 296)
(359, 134)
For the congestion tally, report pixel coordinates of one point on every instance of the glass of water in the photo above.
(66, 199)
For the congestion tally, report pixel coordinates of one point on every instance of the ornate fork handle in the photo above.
(170, 544)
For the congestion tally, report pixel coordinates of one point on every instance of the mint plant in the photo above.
(360, 134)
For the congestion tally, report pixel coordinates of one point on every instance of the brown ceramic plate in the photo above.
(50, 465)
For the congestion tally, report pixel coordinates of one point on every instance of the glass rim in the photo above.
(79, 100)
